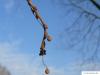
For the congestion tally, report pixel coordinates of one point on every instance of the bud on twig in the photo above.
(46, 26)
(45, 34)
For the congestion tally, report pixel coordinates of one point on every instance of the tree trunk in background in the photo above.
(4, 71)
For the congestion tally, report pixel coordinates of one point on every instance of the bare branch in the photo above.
(96, 4)
(86, 36)
(84, 10)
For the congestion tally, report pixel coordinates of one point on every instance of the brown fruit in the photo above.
(49, 38)
(47, 71)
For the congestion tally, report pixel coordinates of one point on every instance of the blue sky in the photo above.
(21, 35)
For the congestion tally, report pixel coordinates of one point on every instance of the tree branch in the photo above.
(84, 10)
(96, 4)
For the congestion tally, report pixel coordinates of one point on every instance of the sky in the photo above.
(21, 35)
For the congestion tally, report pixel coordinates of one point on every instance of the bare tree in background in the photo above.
(82, 33)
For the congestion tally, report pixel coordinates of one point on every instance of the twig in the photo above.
(43, 24)
(96, 4)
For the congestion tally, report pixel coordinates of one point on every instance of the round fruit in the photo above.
(49, 38)
(47, 71)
